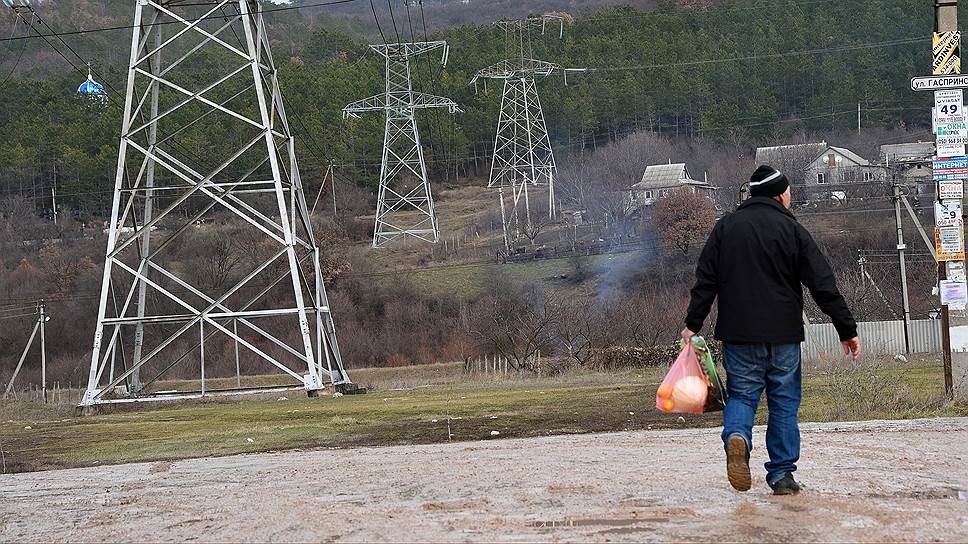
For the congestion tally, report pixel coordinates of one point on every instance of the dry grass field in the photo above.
(427, 404)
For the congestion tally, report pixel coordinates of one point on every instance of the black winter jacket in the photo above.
(755, 260)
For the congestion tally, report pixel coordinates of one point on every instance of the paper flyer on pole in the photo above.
(949, 243)
(954, 294)
(951, 189)
(956, 271)
(947, 213)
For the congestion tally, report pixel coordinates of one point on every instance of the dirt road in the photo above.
(872, 481)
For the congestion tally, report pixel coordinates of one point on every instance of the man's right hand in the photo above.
(852, 347)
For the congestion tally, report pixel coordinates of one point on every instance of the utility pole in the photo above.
(43, 350)
(332, 183)
(858, 118)
(20, 362)
(901, 246)
(946, 20)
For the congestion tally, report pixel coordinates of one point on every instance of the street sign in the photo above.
(937, 83)
(952, 189)
(947, 213)
(946, 47)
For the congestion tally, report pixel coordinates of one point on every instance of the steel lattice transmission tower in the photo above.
(405, 205)
(523, 156)
(201, 81)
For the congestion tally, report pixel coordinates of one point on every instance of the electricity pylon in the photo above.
(405, 205)
(256, 282)
(523, 155)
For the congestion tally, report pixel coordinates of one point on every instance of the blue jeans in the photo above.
(750, 368)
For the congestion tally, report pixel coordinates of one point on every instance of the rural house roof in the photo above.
(906, 152)
(803, 154)
(783, 154)
(659, 176)
(851, 156)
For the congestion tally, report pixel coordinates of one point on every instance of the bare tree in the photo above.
(517, 325)
(599, 182)
(650, 317)
(532, 229)
(581, 330)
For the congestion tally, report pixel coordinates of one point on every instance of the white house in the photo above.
(659, 180)
(818, 164)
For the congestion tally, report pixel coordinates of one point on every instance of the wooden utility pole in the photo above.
(946, 20)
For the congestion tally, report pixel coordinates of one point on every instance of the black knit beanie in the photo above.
(768, 181)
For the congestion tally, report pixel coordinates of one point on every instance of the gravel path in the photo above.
(871, 481)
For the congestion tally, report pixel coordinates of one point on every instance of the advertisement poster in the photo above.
(956, 271)
(949, 243)
(948, 213)
(952, 189)
(954, 294)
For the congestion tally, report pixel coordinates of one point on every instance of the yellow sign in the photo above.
(947, 53)
(949, 243)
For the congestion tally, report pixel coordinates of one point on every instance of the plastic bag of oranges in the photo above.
(685, 388)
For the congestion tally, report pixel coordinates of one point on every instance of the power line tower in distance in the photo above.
(523, 156)
(201, 80)
(405, 204)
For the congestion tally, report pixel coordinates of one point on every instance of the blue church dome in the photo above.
(91, 88)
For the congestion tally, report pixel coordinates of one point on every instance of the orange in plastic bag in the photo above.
(684, 389)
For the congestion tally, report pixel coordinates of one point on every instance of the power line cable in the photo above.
(20, 55)
(56, 50)
(19, 309)
(378, 25)
(130, 27)
(393, 20)
(17, 316)
(432, 115)
(818, 51)
(719, 9)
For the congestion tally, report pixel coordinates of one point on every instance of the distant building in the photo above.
(659, 180)
(909, 153)
(910, 163)
(814, 165)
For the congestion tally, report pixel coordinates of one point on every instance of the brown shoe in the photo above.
(738, 463)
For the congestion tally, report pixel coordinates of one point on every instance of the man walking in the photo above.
(755, 261)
